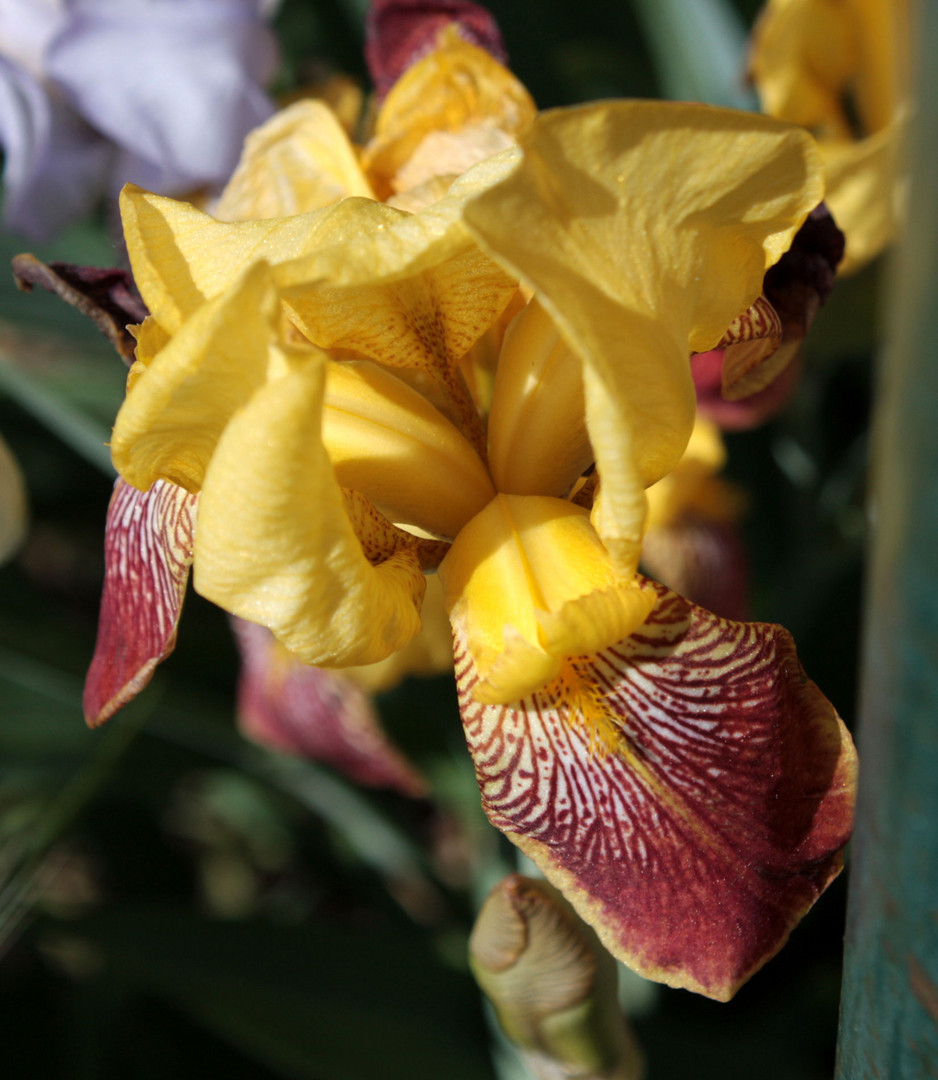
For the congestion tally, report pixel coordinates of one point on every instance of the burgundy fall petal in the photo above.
(697, 843)
(399, 32)
(147, 554)
(316, 714)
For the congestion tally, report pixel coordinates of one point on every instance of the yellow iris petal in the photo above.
(300, 160)
(454, 87)
(181, 257)
(178, 404)
(864, 192)
(388, 442)
(275, 544)
(529, 584)
(646, 228)
(538, 443)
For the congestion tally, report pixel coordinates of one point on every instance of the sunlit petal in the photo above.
(454, 87)
(408, 290)
(182, 257)
(697, 839)
(172, 417)
(276, 545)
(147, 554)
(646, 228)
(300, 160)
(316, 714)
(528, 583)
(538, 443)
(388, 442)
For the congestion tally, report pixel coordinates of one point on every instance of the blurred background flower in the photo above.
(95, 94)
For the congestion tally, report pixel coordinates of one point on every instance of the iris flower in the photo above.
(93, 94)
(841, 68)
(478, 379)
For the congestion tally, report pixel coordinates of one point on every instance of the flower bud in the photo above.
(552, 984)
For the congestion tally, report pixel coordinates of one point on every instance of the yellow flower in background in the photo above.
(478, 378)
(841, 69)
(13, 513)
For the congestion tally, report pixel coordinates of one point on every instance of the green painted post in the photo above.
(889, 1010)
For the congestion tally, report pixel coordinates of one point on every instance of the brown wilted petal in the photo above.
(800, 282)
(108, 296)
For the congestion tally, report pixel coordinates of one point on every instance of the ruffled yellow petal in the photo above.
(388, 442)
(179, 403)
(646, 228)
(538, 443)
(276, 545)
(455, 87)
(182, 257)
(300, 160)
(407, 290)
(528, 583)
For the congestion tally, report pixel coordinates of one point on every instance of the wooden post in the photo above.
(889, 1010)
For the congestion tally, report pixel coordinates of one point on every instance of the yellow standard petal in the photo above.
(646, 228)
(179, 403)
(300, 160)
(182, 257)
(458, 97)
(276, 545)
(529, 584)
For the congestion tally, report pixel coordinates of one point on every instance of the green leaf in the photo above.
(699, 50)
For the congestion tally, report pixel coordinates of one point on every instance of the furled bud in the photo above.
(552, 984)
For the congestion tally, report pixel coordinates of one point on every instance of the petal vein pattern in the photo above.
(147, 556)
(696, 843)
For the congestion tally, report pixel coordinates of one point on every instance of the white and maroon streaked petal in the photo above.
(317, 714)
(147, 555)
(748, 412)
(696, 845)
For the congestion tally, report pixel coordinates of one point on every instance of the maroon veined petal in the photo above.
(399, 32)
(698, 835)
(316, 714)
(705, 561)
(147, 555)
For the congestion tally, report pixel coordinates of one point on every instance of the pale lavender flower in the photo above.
(95, 93)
